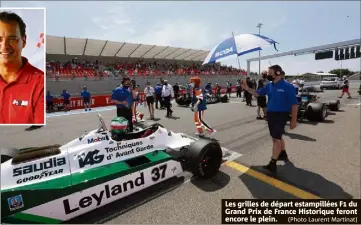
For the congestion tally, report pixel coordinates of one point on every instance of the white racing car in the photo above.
(52, 184)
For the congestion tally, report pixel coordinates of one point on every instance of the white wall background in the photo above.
(35, 25)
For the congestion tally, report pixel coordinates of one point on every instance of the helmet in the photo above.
(119, 125)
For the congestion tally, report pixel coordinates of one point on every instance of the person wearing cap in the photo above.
(21, 84)
(167, 95)
(281, 101)
(123, 98)
(262, 100)
(86, 98)
(149, 97)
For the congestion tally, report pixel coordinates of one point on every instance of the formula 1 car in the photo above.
(211, 99)
(52, 184)
(311, 109)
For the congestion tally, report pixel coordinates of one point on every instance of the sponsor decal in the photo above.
(109, 191)
(37, 167)
(131, 148)
(224, 52)
(39, 176)
(211, 99)
(15, 202)
(20, 103)
(90, 158)
(97, 139)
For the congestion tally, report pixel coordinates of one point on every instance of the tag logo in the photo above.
(91, 158)
(20, 103)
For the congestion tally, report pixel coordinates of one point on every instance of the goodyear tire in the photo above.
(8, 153)
(224, 99)
(334, 105)
(316, 112)
(204, 158)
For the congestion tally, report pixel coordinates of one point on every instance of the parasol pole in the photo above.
(239, 63)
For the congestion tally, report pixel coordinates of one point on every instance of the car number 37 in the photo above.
(159, 172)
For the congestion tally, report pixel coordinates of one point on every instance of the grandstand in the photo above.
(84, 60)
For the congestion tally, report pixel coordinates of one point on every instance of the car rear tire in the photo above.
(334, 105)
(316, 112)
(8, 153)
(204, 158)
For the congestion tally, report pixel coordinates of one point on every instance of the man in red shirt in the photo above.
(21, 84)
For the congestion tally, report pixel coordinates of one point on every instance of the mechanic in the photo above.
(200, 105)
(136, 100)
(249, 95)
(345, 88)
(149, 97)
(281, 101)
(167, 95)
(86, 98)
(123, 98)
(66, 96)
(49, 102)
(21, 84)
(229, 88)
(158, 96)
(262, 100)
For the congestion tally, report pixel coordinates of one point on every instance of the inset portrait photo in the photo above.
(22, 66)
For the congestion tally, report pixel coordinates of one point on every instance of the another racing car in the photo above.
(52, 184)
(185, 100)
(311, 109)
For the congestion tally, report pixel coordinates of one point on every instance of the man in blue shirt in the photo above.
(123, 98)
(86, 98)
(281, 101)
(158, 95)
(66, 97)
(49, 101)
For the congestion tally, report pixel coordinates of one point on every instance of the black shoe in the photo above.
(283, 156)
(272, 166)
(259, 118)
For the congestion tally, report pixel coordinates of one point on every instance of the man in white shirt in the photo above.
(167, 95)
(149, 97)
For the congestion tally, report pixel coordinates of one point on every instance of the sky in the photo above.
(202, 25)
(34, 20)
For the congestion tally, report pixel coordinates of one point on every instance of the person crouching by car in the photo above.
(149, 97)
(282, 100)
(123, 98)
(345, 88)
(262, 100)
(66, 96)
(86, 98)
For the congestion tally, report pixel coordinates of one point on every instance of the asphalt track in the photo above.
(325, 162)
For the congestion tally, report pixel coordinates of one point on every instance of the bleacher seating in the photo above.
(77, 68)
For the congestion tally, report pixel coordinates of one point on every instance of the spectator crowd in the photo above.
(81, 68)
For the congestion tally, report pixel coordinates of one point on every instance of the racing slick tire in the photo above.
(316, 112)
(204, 158)
(224, 99)
(182, 101)
(334, 105)
(8, 153)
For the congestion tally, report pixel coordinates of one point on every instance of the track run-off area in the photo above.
(324, 160)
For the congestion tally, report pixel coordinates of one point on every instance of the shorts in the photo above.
(262, 101)
(276, 123)
(66, 101)
(86, 100)
(150, 100)
(344, 89)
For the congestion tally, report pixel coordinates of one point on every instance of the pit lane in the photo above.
(325, 162)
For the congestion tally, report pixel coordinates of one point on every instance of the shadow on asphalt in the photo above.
(299, 137)
(219, 181)
(290, 174)
(316, 122)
